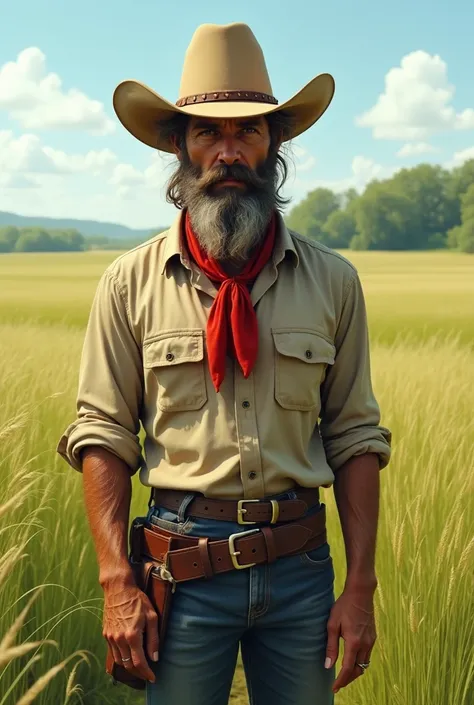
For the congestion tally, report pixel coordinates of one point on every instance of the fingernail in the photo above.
(155, 656)
(327, 663)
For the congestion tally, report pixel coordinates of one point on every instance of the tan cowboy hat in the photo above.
(224, 76)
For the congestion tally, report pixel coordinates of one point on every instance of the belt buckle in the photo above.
(233, 552)
(241, 511)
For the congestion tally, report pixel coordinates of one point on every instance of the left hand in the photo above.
(352, 618)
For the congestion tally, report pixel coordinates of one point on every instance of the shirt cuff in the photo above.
(112, 437)
(372, 439)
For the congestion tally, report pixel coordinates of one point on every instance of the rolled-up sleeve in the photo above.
(350, 414)
(110, 385)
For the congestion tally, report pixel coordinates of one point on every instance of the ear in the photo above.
(176, 148)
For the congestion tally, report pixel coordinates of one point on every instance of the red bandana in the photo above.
(232, 326)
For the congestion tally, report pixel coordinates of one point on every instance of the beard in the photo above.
(228, 221)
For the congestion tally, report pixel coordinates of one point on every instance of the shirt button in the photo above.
(246, 404)
(169, 357)
(309, 354)
(252, 475)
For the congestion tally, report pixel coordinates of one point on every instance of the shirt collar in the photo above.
(174, 245)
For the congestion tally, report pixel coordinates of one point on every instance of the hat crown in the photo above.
(224, 58)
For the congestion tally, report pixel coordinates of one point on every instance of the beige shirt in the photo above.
(306, 408)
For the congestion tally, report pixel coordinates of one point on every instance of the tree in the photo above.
(340, 228)
(8, 238)
(34, 240)
(384, 218)
(69, 240)
(460, 180)
(309, 216)
(462, 236)
(434, 209)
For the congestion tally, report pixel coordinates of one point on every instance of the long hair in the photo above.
(280, 125)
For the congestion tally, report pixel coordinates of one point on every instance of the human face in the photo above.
(214, 143)
(227, 181)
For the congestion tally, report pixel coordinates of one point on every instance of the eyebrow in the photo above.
(210, 125)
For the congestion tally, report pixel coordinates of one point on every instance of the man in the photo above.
(242, 348)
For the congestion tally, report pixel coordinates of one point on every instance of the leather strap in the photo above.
(243, 511)
(189, 557)
(213, 96)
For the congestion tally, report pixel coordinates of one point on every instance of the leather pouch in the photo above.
(155, 581)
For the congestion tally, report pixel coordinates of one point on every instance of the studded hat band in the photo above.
(247, 96)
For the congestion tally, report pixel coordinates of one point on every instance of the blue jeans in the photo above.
(276, 612)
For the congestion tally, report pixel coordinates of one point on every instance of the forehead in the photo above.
(199, 123)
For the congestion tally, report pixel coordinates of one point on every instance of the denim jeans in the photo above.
(277, 613)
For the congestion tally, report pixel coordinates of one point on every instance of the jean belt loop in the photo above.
(184, 505)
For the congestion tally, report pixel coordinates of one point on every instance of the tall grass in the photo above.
(50, 600)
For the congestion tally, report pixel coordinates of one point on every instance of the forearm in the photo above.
(357, 493)
(107, 494)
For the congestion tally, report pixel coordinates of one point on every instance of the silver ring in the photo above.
(126, 659)
(364, 666)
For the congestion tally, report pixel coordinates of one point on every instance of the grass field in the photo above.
(421, 321)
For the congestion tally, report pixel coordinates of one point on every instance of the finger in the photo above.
(139, 659)
(332, 646)
(116, 652)
(351, 649)
(151, 632)
(125, 654)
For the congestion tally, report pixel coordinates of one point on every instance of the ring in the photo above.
(126, 659)
(363, 665)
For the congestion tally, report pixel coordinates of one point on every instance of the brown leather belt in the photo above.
(190, 557)
(244, 511)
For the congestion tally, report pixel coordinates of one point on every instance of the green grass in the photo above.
(421, 321)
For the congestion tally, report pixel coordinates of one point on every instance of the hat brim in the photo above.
(140, 109)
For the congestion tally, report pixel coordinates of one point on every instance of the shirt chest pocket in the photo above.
(301, 360)
(176, 359)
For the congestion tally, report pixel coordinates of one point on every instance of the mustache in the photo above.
(239, 172)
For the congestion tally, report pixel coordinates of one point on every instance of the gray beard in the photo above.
(229, 226)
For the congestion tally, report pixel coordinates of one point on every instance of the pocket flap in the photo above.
(306, 345)
(173, 348)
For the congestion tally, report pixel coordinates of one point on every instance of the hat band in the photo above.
(247, 96)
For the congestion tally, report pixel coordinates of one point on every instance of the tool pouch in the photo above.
(156, 582)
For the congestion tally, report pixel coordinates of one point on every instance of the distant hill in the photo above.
(86, 227)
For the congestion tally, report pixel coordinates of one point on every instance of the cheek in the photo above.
(258, 153)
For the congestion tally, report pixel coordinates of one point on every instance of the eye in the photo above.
(207, 133)
(250, 130)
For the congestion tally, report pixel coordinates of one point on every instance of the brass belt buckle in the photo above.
(241, 511)
(234, 553)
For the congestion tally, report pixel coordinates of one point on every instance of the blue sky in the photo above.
(404, 94)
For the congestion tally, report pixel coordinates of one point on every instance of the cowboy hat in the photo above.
(224, 76)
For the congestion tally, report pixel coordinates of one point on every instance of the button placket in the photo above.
(247, 434)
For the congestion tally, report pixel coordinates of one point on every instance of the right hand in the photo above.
(127, 614)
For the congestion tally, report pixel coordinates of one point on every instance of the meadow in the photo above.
(421, 323)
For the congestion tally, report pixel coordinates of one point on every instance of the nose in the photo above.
(229, 153)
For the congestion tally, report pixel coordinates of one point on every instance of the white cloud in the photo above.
(16, 181)
(302, 159)
(37, 100)
(460, 157)
(363, 171)
(415, 148)
(125, 175)
(94, 161)
(26, 154)
(416, 101)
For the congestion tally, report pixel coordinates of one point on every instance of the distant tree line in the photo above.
(13, 239)
(423, 208)
(426, 207)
